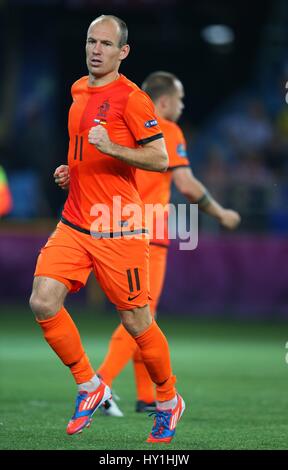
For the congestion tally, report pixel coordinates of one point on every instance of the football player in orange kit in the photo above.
(167, 94)
(112, 131)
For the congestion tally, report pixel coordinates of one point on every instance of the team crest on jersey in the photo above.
(181, 151)
(103, 109)
(151, 123)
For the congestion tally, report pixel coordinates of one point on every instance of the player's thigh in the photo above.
(65, 258)
(122, 269)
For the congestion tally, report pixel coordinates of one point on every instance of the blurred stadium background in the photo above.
(225, 305)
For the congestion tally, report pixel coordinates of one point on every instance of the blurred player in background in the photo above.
(167, 93)
(108, 141)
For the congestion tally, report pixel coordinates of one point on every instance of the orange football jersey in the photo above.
(128, 115)
(155, 188)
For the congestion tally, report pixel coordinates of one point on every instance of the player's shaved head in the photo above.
(160, 83)
(123, 30)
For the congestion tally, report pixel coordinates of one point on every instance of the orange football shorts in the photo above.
(121, 265)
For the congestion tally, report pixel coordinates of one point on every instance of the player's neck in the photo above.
(102, 81)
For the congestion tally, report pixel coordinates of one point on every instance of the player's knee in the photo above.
(136, 321)
(42, 307)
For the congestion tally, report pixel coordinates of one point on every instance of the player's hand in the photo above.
(62, 176)
(230, 219)
(98, 136)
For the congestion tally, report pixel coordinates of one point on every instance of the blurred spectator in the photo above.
(5, 195)
(215, 169)
(250, 129)
(242, 155)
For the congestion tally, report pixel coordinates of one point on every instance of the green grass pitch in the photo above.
(233, 377)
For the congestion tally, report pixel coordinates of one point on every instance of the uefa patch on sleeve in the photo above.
(181, 150)
(151, 123)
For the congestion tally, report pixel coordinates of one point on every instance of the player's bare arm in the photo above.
(151, 156)
(196, 192)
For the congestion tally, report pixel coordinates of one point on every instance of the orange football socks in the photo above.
(63, 336)
(155, 353)
(121, 349)
(144, 385)
(145, 388)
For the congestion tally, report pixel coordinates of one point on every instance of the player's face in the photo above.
(175, 103)
(103, 54)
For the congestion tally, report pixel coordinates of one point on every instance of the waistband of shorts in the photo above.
(92, 234)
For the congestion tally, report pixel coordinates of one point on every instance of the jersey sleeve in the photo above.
(140, 117)
(177, 149)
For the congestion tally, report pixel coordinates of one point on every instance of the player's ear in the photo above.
(124, 51)
(163, 100)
